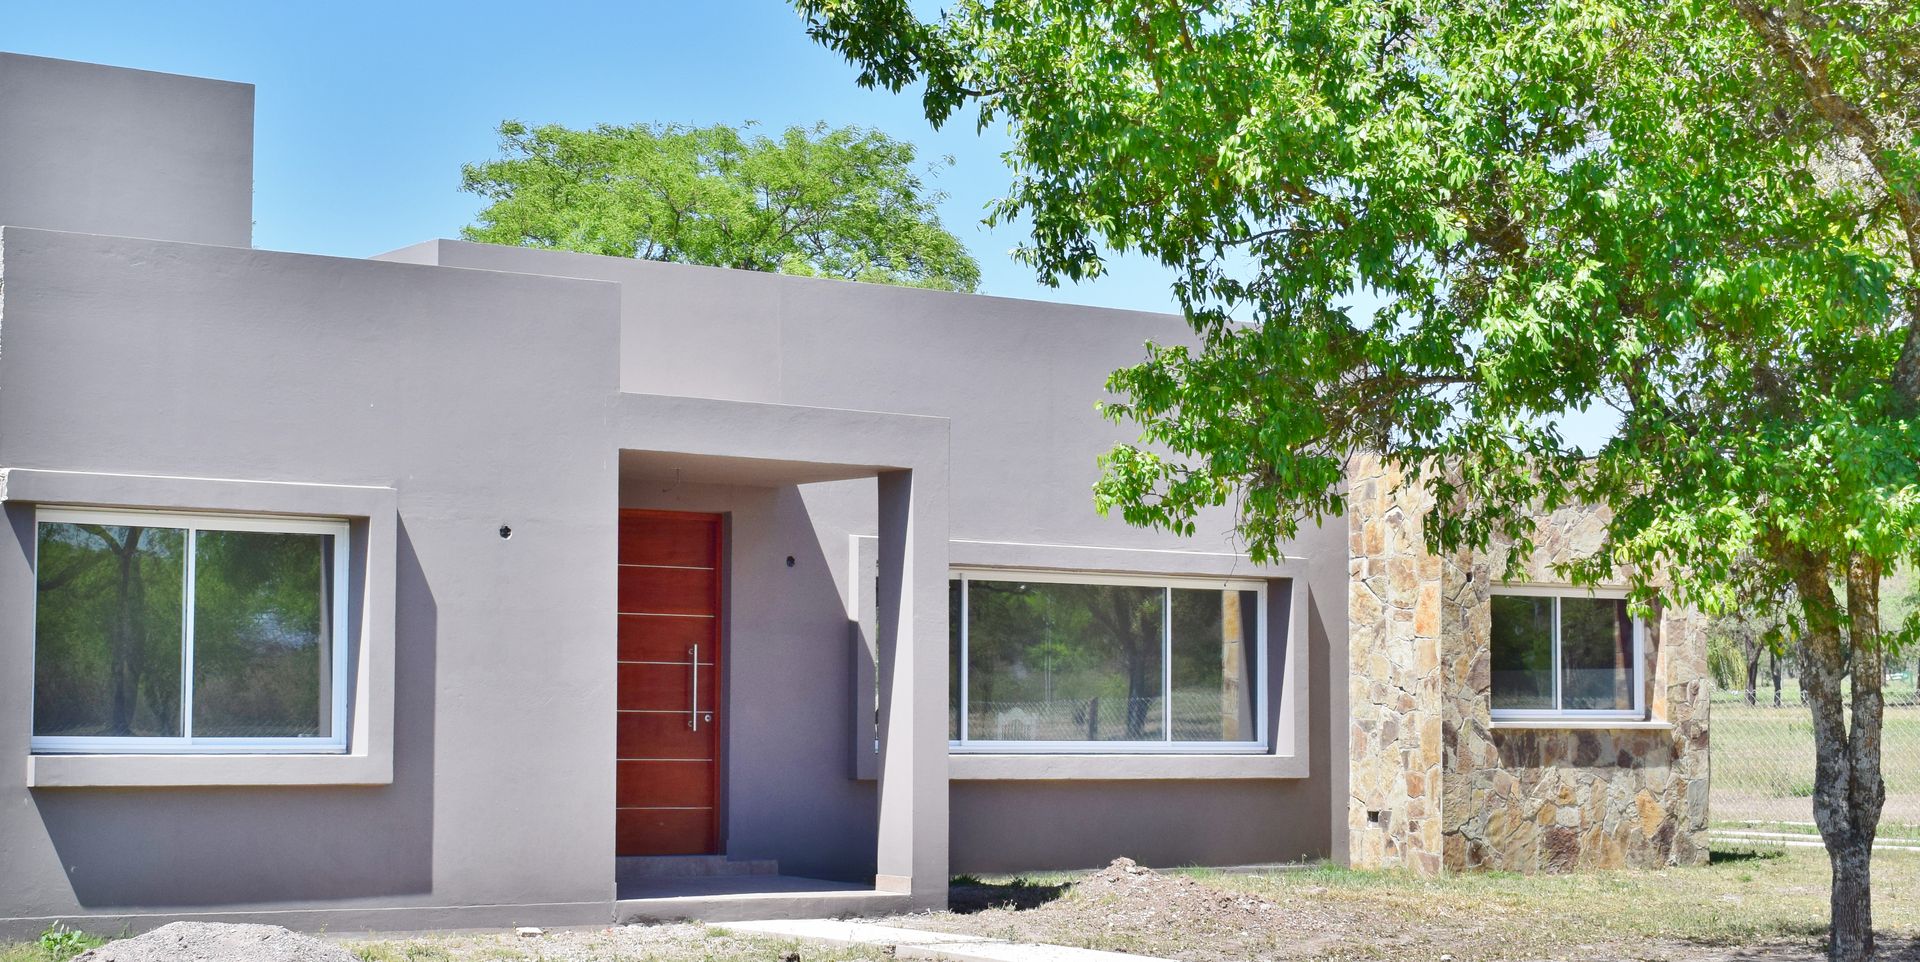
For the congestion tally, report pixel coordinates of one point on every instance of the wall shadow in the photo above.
(967, 895)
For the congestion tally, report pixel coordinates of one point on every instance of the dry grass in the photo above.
(1762, 908)
(1740, 907)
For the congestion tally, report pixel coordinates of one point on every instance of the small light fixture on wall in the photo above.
(505, 532)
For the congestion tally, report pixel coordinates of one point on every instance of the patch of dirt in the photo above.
(1129, 907)
(218, 942)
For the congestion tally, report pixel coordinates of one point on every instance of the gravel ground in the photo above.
(217, 942)
(625, 943)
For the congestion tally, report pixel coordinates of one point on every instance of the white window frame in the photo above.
(335, 742)
(1260, 744)
(1557, 592)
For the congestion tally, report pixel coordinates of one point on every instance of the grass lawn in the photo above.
(1762, 767)
(1767, 907)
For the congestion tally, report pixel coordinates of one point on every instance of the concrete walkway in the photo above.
(920, 944)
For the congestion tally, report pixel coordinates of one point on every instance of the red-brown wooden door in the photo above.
(667, 787)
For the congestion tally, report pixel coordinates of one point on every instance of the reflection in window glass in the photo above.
(1522, 652)
(1061, 662)
(1113, 664)
(953, 660)
(193, 631)
(1596, 655)
(1215, 636)
(1564, 654)
(107, 630)
(261, 660)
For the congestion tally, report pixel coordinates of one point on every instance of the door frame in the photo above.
(717, 838)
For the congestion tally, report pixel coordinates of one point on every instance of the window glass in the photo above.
(1110, 664)
(1064, 662)
(107, 631)
(262, 660)
(954, 615)
(192, 631)
(1215, 639)
(1522, 652)
(1596, 655)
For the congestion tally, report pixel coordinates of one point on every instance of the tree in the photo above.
(1703, 215)
(841, 202)
(1746, 633)
(1753, 630)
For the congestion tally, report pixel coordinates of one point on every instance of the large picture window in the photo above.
(1565, 653)
(162, 632)
(1050, 662)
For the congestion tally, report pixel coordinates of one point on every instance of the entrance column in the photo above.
(912, 641)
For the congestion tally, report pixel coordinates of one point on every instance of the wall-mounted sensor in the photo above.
(789, 561)
(505, 532)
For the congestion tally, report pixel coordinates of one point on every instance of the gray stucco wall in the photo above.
(486, 398)
(482, 399)
(107, 150)
(464, 399)
(1018, 380)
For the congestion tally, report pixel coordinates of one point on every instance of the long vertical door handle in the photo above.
(693, 711)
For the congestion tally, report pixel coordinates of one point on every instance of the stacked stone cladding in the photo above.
(1435, 785)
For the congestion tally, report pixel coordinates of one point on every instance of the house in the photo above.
(472, 585)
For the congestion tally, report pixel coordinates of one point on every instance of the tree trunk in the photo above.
(129, 648)
(1776, 679)
(1847, 792)
(1753, 673)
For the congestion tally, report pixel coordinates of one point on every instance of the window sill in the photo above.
(1121, 767)
(1589, 724)
(184, 771)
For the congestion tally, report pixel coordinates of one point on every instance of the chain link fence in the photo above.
(1762, 774)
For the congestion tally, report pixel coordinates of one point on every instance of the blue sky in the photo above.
(366, 111)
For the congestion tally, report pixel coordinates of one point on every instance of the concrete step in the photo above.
(633, 868)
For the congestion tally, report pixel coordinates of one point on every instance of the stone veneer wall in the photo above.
(1433, 784)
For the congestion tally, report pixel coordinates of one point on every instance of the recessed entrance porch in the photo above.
(738, 793)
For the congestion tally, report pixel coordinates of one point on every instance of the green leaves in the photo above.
(843, 202)
(1558, 205)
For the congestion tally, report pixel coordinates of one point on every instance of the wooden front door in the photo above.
(667, 787)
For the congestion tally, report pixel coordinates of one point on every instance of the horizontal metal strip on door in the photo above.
(667, 638)
(663, 785)
(668, 541)
(666, 687)
(674, 591)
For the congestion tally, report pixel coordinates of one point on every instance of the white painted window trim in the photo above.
(1515, 717)
(187, 744)
(1259, 746)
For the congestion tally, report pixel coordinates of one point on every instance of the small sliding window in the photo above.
(1080, 663)
(160, 632)
(1566, 653)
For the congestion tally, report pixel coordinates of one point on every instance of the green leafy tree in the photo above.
(1703, 215)
(841, 202)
